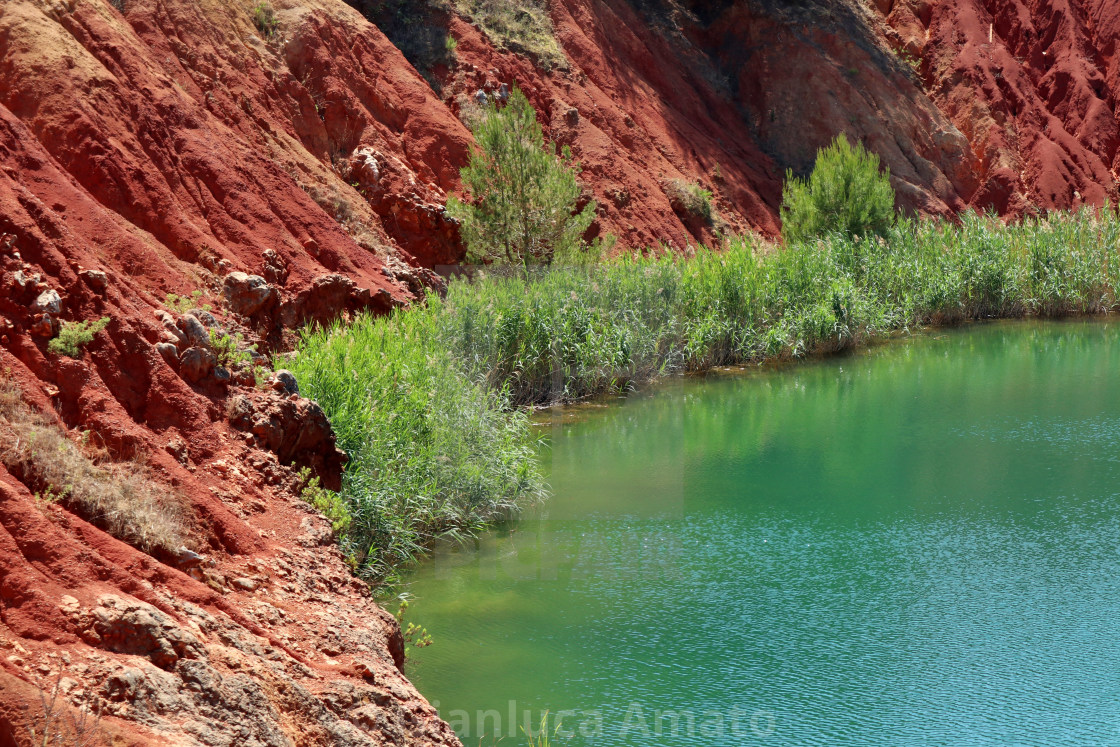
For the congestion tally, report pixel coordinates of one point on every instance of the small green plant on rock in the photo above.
(75, 335)
(327, 502)
(231, 350)
(414, 635)
(911, 60)
(264, 18)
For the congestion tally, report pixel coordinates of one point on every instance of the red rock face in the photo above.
(638, 113)
(167, 150)
(802, 74)
(1033, 85)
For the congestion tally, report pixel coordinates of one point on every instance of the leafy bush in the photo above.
(264, 18)
(690, 199)
(75, 335)
(414, 635)
(524, 196)
(845, 194)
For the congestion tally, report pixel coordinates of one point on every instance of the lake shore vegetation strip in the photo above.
(430, 402)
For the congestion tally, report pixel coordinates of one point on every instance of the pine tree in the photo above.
(846, 193)
(524, 195)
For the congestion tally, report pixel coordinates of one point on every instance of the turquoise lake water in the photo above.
(913, 545)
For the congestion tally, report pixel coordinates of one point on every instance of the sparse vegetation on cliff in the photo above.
(118, 497)
(422, 399)
(690, 199)
(264, 18)
(519, 25)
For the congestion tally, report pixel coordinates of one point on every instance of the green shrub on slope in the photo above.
(523, 208)
(845, 194)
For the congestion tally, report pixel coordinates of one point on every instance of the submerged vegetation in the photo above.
(426, 401)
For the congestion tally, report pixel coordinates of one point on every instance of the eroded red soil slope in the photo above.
(169, 150)
(1033, 85)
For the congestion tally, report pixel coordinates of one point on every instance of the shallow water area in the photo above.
(917, 544)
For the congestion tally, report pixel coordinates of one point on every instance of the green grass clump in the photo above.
(183, 304)
(329, 503)
(231, 350)
(264, 18)
(73, 336)
(425, 401)
(690, 199)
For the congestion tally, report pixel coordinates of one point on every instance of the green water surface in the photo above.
(915, 545)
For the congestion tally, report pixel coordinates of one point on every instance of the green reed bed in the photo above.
(428, 402)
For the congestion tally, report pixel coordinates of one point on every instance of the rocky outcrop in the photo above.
(265, 650)
(247, 294)
(295, 429)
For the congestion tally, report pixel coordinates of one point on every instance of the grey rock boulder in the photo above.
(193, 331)
(169, 352)
(97, 281)
(196, 363)
(48, 302)
(247, 294)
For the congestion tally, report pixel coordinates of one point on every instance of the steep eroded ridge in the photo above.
(1034, 87)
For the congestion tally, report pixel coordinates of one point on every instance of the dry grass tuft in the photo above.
(690, 199)
(119, 497)
(59, 724)
(523, 26)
